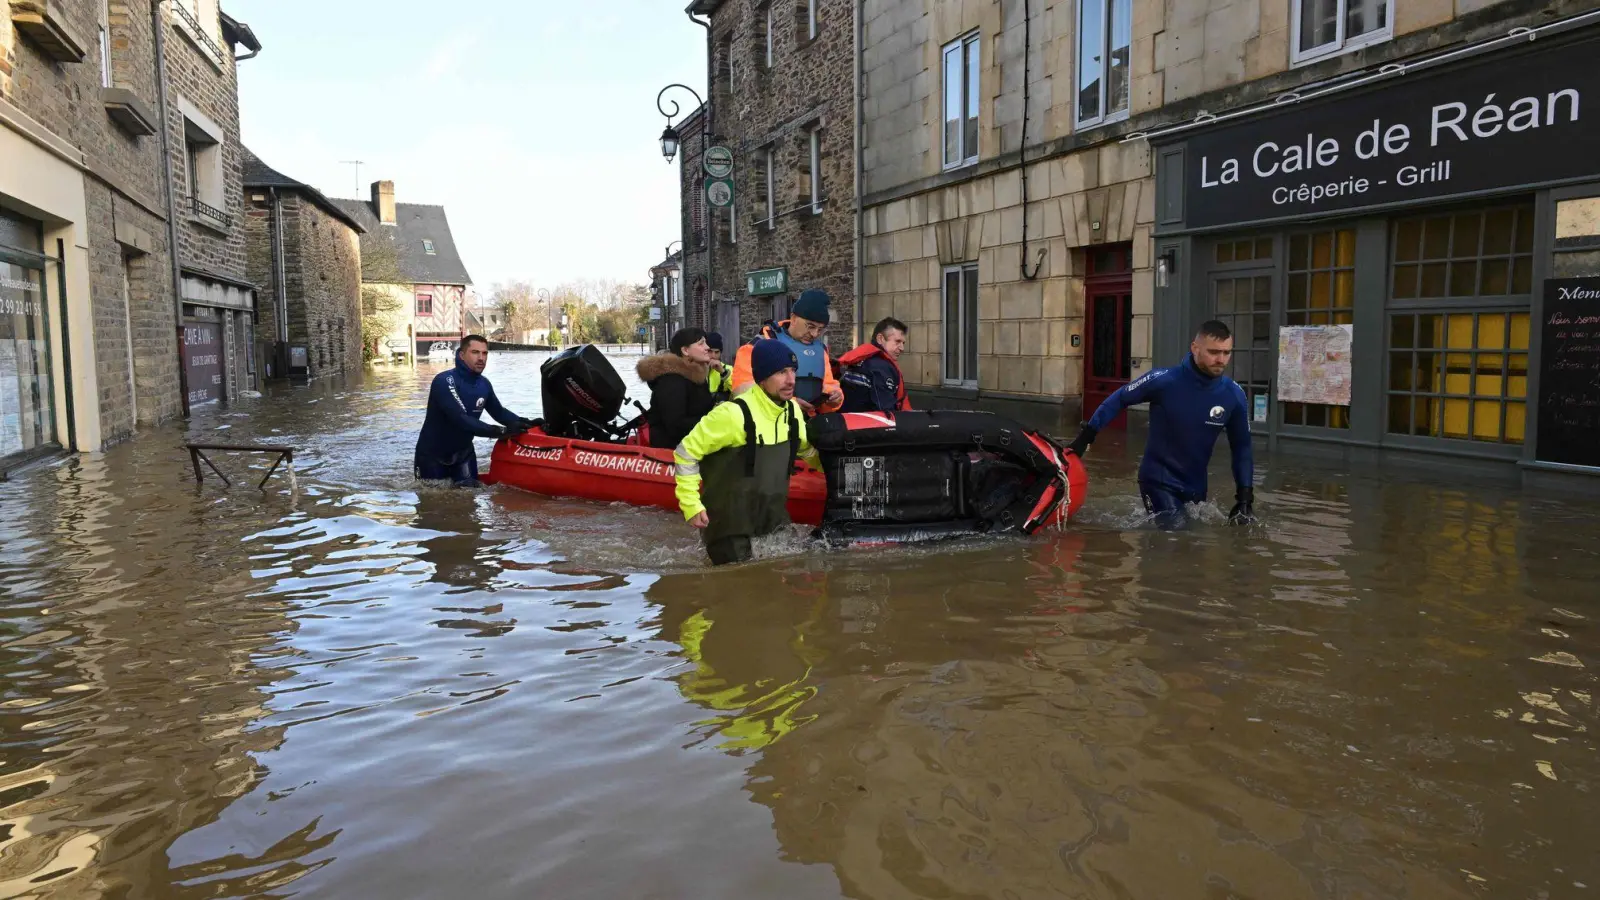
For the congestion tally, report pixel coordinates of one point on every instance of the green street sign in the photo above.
(719, 162)
(766, 281)
(719, 192)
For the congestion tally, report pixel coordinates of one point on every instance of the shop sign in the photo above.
(719, 162)
(1502, 123)
(1569, 372)
(766, 281)
(202, 358)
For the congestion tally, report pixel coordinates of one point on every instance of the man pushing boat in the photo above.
(744, 452)
(456, 400)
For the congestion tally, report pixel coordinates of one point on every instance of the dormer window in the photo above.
(427, 247)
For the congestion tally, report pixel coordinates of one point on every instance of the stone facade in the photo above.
(321, 283)
(777, 107)
(1088, 188)
(129, 373)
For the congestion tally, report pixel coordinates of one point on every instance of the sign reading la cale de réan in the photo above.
(1498, 123)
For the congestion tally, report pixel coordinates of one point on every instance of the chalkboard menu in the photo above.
(1569, 372)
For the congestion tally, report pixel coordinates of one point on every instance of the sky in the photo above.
(533, 122)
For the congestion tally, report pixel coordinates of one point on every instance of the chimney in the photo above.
(383, 201)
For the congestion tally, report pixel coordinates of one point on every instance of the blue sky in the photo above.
(532, 121)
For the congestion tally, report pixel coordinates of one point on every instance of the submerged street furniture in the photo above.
(197, 454)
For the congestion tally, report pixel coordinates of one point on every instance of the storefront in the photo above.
(218, 337)
(27, 391)
(1410, 266)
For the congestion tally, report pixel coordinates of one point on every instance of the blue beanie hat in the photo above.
(768, 357)
(813, 305)
(713, 340)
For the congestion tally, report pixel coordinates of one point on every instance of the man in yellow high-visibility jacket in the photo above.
(744, 452)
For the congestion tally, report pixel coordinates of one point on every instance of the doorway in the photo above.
(1108, 326)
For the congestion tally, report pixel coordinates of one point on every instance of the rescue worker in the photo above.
(456, 400)
(679, 397)
(720, 378)
(816, 389)
(744, 451)
(1190, 404)
(872, 381)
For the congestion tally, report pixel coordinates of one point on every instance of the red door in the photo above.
(1108, 326)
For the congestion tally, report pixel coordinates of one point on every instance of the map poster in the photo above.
(1314, 364)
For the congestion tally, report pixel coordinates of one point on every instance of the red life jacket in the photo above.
(867, 351)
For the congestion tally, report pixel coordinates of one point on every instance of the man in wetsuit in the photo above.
(1190, 404)
(455, 402)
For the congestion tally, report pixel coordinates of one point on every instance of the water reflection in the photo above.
(362, 686)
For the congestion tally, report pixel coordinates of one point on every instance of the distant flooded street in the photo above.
(349, 686)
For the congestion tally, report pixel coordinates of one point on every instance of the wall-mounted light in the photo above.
(1165, 264)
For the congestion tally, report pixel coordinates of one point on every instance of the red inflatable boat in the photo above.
(617, 473)
(887, 477)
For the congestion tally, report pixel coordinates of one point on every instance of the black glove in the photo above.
(513, 430)
(1080, 444)
(1243, 512)
(526, 424)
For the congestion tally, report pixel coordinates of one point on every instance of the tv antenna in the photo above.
(357, 163)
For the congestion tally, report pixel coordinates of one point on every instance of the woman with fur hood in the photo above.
(679, 396)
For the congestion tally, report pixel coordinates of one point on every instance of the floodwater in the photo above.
(347, 686)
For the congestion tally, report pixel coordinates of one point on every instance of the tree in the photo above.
(380, 305)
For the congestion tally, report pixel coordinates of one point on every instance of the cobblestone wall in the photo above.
(322, 263)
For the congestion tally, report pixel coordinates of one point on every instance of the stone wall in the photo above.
(206, 77)
(808, 86)
(125, 204)
(322, 266)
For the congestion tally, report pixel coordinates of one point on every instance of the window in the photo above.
(1105, 36)
(1324, 28)
(424, 303)
(725, 56)
(427, 247)
(811, 183)
(105, 57)
(1322, 291)
(810, 20)
(1460, 290)
(203, 165)
(769, 166)
(961, 325)
(961, 102)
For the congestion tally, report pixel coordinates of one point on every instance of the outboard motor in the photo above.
(582, 394)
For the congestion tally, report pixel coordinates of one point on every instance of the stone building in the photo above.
(1056, 194)
(207, 162)
(780, 100)
(304, 253)
(410, 253)
(88, 328)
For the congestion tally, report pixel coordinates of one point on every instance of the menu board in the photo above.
(1569, 372)
(1314, 364)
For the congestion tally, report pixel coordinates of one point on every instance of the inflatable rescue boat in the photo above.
(887, 477)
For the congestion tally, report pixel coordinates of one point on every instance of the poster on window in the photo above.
(1314, 364)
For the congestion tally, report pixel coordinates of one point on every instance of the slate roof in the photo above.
(259, 174)
(414, 223)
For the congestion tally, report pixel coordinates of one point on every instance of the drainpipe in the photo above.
(172, 201)
(860, 153)
(280, 291)
(1022, 148)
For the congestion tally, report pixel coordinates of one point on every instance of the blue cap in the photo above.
(769, 357)
(713, 340)
(813, 304)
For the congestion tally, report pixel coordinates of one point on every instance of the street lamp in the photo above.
(543, 295)
(671, 142)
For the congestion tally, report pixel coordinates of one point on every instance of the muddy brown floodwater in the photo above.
(353, 687)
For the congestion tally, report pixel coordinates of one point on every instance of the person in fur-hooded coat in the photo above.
(679, 396)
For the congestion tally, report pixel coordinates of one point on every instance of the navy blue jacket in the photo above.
(1188, 409)
(455, 402)
(871, 382)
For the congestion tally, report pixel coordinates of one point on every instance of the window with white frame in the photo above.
(105, 57)
(811, 19)
(427, 247)
(960, 325)
(1105, 38)
(1324, 28)
(961, 101)
(811, 185)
